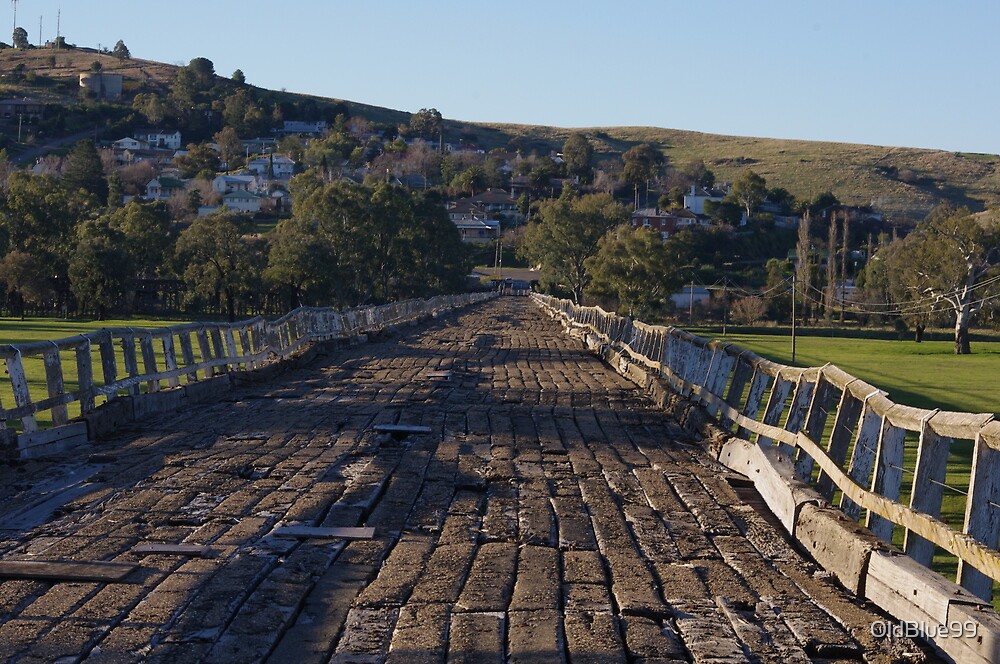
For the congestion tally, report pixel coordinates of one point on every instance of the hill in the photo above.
(905, 183)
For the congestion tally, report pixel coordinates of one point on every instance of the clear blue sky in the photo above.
(920, 73)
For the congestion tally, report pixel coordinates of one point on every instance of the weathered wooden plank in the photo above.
(401, 428)
(982, 517)
(848, 415)
(65, 571)
(131, 361)
(306, 532)
(928, 488)
(863, 456)
(149, 361)
(204, 348)
(755, 395)
(22, 395)
(775, 406)
(109, 367)
(888, 475)
(187, 355)
(170, 359)
(54, 384)
(156, 548)
(815, 421)
(85, 376)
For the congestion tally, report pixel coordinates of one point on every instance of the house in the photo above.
(26, 108)
(309, 128)
(465, 209)
(279, 168)
(159, 139)
(130, 156)
(163, 188)
(665, 222)
(225, 184)
(242, 201)
(477, 231)
(691, 296)
(695, 199)
(129, 143)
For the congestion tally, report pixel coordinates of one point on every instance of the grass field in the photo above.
(925, 375)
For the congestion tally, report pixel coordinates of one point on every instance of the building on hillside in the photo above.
(317, 128)
(102, 85)
(226, 184)
(242, 201)
(695, 199)
(666, 222)
(691, 296)
(163, 188)
(28, 109)
(275, 167)
(158, 138)
(477, 231)
(129, 143)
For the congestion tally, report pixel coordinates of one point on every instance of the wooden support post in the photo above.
(19, 385)
(232, 353)
(54, 384)
(982, 516)
(775, 406)
(109, 367)
(844, 424)
(187, 355)
(819, 408)
(205, 349)
(928, 487)
(863, 456)
(170, 358)
(85, 376)
(758, 385)
(149, 360)
(888, 476)
(131, 361)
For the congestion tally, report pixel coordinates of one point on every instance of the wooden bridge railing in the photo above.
(847, 438)
(108, 364)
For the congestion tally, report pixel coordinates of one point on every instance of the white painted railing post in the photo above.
(982, 510)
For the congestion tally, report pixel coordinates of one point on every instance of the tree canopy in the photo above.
(633, 267)
(577, 154)
(565, 233)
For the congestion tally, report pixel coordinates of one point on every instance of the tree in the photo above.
(749, 191)
(37, 218)
(749, 310)
(299, 259)
(96, 66)
(200, 160)
(948, 262)
(20, 38)
(803, 264)
(642, 163)
(577, 154)
(99, 268)
(239, 78)
(25, 278)
(567, 232)
(230, 147)
(84, 170)
(121, 51)
(218, 259)
(426, 123)
(145, 230)
(632, 266)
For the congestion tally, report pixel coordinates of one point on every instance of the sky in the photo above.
(915, 73)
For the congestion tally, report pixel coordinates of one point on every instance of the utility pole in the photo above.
(725, 307)
(691, 304)
(793, 317)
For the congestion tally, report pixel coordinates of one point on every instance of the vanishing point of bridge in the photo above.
(528, 505)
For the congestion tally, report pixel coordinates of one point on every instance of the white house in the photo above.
(281, 167)
(163, 188)
(225, 184)
(299, 127)
(242, 201)
(695, 199)
(159, 139)
(129, 144)
(691, 296)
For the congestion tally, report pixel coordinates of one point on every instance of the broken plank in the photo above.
(56, 570)
(401, 428)
(154, 548)
(328, 533)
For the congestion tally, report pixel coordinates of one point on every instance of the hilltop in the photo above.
(902, 182)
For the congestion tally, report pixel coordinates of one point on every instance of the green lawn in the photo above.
(925, 375)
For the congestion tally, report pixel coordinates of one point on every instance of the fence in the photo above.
(82, 372)
(845, 437)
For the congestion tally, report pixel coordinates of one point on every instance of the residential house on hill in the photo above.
(695, 199)
(477, 231)
(163, 188)
(307, 128)
(242, 201)
(226, 184)
(26, 108)
(159, 138)
(280, 168)
(665, 222)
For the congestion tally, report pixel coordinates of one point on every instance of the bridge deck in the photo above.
(550, 514)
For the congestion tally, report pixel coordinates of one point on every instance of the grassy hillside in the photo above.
(905, 183)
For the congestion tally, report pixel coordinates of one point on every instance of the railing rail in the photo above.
(861, 453)
(116, 362)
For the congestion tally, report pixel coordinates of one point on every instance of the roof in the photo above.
(239, 194)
